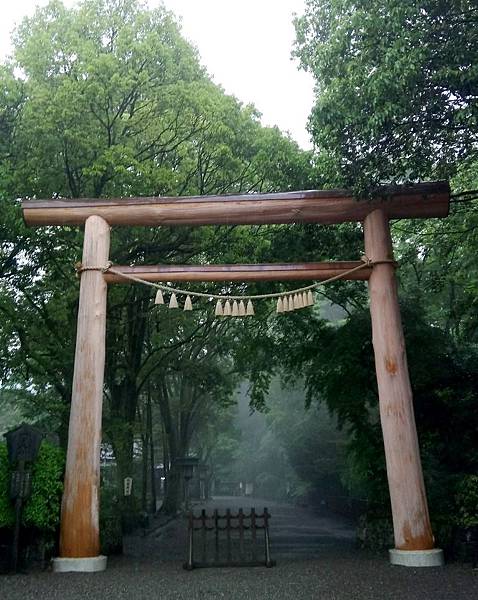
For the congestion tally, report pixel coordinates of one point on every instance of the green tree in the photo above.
(112, 101)
(396, 101)
(337, 365)
(396, 87)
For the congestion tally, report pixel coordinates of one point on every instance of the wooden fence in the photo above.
(228, 540)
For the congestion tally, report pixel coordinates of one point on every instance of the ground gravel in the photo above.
(316, 559)
(332, 578)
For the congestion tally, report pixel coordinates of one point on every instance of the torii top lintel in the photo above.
(419, 200)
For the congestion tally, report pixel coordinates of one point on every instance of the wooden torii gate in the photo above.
(79, 537)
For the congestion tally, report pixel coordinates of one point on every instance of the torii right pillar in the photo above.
(414, 542)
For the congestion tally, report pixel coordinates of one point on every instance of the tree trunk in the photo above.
(171, 496)
(144, 479)
(151, 449)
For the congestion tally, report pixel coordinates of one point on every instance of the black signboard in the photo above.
(23, 443)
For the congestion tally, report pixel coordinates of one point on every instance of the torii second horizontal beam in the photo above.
(258, 272)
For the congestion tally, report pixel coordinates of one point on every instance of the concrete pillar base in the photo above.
(88, 564)
(417, 558)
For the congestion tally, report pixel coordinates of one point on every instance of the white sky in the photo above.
(245, 45)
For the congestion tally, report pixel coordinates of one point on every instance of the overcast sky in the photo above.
(245, 45)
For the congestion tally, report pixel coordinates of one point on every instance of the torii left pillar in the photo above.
(79, 534)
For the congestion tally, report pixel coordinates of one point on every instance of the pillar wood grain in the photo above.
(258, 272)
(411, 522)
(311, 206)
(79, 535)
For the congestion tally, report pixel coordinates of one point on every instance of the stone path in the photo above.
(295, 532)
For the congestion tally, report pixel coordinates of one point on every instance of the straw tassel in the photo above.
(188, 305)
(310, 298)
(173, 302)
(236, 308)
(280, 306)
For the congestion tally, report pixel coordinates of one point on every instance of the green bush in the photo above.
(42, 509)
(375, 532)
(467, 501)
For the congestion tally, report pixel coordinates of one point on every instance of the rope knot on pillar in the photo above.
(80, 268)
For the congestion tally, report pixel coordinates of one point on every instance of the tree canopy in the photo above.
(108, 99)
(396, 87)
(396, 101)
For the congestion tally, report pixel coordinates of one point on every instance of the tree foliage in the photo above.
(396, 101)
(396, 87)
(108, 99)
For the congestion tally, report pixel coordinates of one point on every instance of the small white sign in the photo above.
(128, 485)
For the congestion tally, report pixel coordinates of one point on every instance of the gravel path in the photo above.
(358, 578)
(316, 562)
